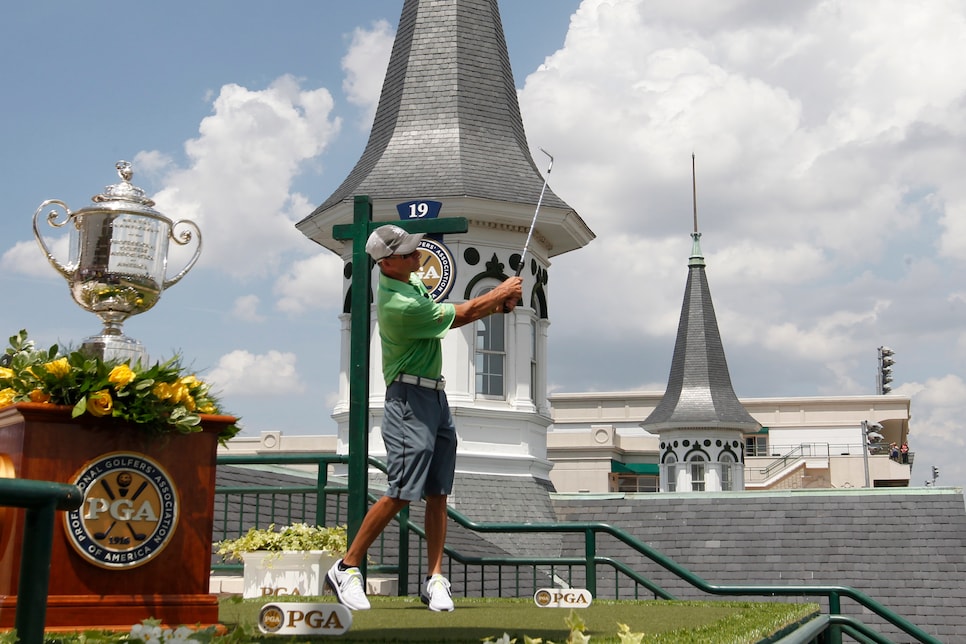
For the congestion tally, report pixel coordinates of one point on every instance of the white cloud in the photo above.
(246, 308)
(365, 67)
(829, 143)
(26, 258)
(313, 283)
(241, 373)
(240, 171)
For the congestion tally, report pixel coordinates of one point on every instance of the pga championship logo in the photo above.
(437, 270)
(562, 598)
(292, 618)
(129, 513)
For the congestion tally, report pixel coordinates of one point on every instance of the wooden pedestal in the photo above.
(43, 442)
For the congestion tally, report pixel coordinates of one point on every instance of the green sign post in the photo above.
(358, 231)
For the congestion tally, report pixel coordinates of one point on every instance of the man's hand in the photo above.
(501, 299)
(513, 289)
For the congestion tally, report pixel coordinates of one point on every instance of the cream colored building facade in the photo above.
(596, 443)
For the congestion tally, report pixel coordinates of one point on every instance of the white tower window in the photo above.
(490, 354)
(727, 472)
(697, 468)
(672, 473)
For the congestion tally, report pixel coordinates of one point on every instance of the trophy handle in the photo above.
(52, 220)
(181, 239)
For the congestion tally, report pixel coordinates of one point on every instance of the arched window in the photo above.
(727, 472)
(672, 472)
(490, 354)
(696, 465)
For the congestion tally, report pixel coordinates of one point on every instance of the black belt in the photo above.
(419, 381)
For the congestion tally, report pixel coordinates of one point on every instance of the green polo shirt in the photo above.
(411, 326)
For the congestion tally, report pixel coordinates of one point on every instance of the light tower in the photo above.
(884, 371)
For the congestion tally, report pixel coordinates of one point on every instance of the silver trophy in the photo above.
(118, 259)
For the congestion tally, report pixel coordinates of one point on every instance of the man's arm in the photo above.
(501, 299)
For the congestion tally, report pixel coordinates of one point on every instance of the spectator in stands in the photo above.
(894, 452)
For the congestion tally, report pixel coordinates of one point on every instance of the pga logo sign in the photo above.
(291, 618)
(562, 598)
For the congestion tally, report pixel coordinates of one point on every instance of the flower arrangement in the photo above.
(297, 536)
(159, 398)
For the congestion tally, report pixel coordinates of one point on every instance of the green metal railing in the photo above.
(546, 567)
(41, 500)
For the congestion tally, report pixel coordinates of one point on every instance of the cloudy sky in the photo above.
(829, 145)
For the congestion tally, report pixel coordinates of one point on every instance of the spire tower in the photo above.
(700, 420)
(448, 140)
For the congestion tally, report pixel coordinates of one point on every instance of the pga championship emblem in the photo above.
(436, 268)
(129, 513)
(562, 598)
(291, 618)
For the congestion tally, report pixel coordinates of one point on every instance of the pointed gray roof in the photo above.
(699, 392)
(448, 123)
(448, 128)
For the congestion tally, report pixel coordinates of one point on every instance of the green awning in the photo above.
(635, 468)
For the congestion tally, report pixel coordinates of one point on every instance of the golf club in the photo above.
(526, 244)
(533, 223)
(103, 535)
(140, 536)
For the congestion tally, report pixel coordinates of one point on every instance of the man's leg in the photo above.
(436, 591)
(375, 521)
(344, 577)
(435, 532)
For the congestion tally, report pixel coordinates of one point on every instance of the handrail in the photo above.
(783, 460)
(41, 500)
(833, 593)
(591, 530)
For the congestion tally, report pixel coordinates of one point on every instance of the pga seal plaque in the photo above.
(129, 513)
(436, 268)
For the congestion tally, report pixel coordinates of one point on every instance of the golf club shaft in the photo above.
(526, 245)
(533, 223)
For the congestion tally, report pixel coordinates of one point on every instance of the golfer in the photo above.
(417, 428)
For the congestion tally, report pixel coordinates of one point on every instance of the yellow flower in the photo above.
(189, 403)
(207, 408)
(39, 396)
(179, 392)
(7, 396)
(100, 403)
(58, 368)
(121, 376)
(162, 391)
(190, 381)
(6, 373)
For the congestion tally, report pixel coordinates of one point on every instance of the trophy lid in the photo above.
(124, 196)
(125, 190)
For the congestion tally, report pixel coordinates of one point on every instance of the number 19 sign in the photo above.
(419, 209)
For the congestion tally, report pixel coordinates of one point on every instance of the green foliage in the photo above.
(149, 631)
(160, 398)
(298, 537)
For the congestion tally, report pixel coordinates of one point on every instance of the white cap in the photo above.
(391, 240)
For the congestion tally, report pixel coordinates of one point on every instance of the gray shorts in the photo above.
(420, 441)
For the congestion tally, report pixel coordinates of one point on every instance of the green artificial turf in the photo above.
(402, 619)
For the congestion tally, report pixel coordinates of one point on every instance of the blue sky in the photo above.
(829, 146)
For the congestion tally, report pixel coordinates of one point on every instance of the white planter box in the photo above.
(286, 573)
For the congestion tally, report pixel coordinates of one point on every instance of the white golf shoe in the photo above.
(436, 594)
(348, 585)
